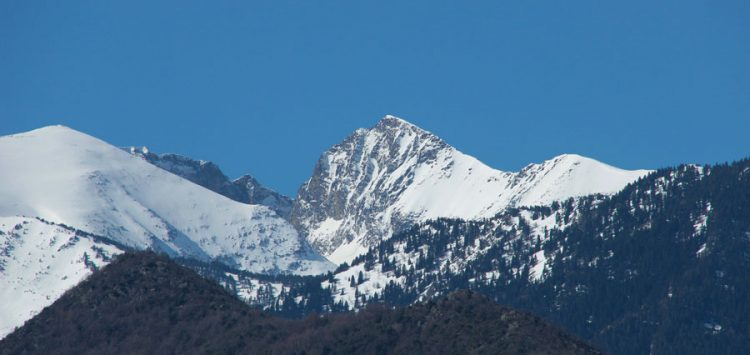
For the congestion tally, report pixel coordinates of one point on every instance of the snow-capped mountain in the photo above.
(245, 189)
(381, 180)
(68, 177)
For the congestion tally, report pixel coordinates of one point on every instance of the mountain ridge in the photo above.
(69, 177)
(245, 189)
(380, 180)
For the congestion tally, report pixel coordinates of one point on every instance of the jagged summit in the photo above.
(245, 189)
(395, 125)
(381, 180)
(393, 121)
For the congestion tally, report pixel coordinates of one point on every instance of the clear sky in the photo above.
(264, 87)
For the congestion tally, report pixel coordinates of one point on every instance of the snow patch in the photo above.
(537, 271)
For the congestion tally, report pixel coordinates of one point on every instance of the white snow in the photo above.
(38, 263)
(68, 177)
(374, 282)
(702, 221)
(537, 270)
(396, 172)
(347, 252)
(701, 250)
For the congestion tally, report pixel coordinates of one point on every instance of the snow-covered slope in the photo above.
(39, 261)
(245, 189)
(383, 179)
(68, 177)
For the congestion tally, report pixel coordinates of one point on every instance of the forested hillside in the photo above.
(660, 267)
(144, 303)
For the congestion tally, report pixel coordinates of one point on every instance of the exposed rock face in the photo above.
(355, 182)
(380, 180)
(245, 189)
(251, 191)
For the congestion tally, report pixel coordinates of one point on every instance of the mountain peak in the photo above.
(402, 133)
(71, 178)
(570, 160)
(573, 158)
(56, 127)
(391, 119)
(62, 137)
(383, 179)
(49, 130)
(393, 122)
(566, 160)
(570, 156)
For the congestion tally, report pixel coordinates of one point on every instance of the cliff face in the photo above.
(245, 189)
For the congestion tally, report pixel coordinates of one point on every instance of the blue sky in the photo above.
(266, 86)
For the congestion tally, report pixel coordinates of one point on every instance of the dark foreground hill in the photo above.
(144, 303)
